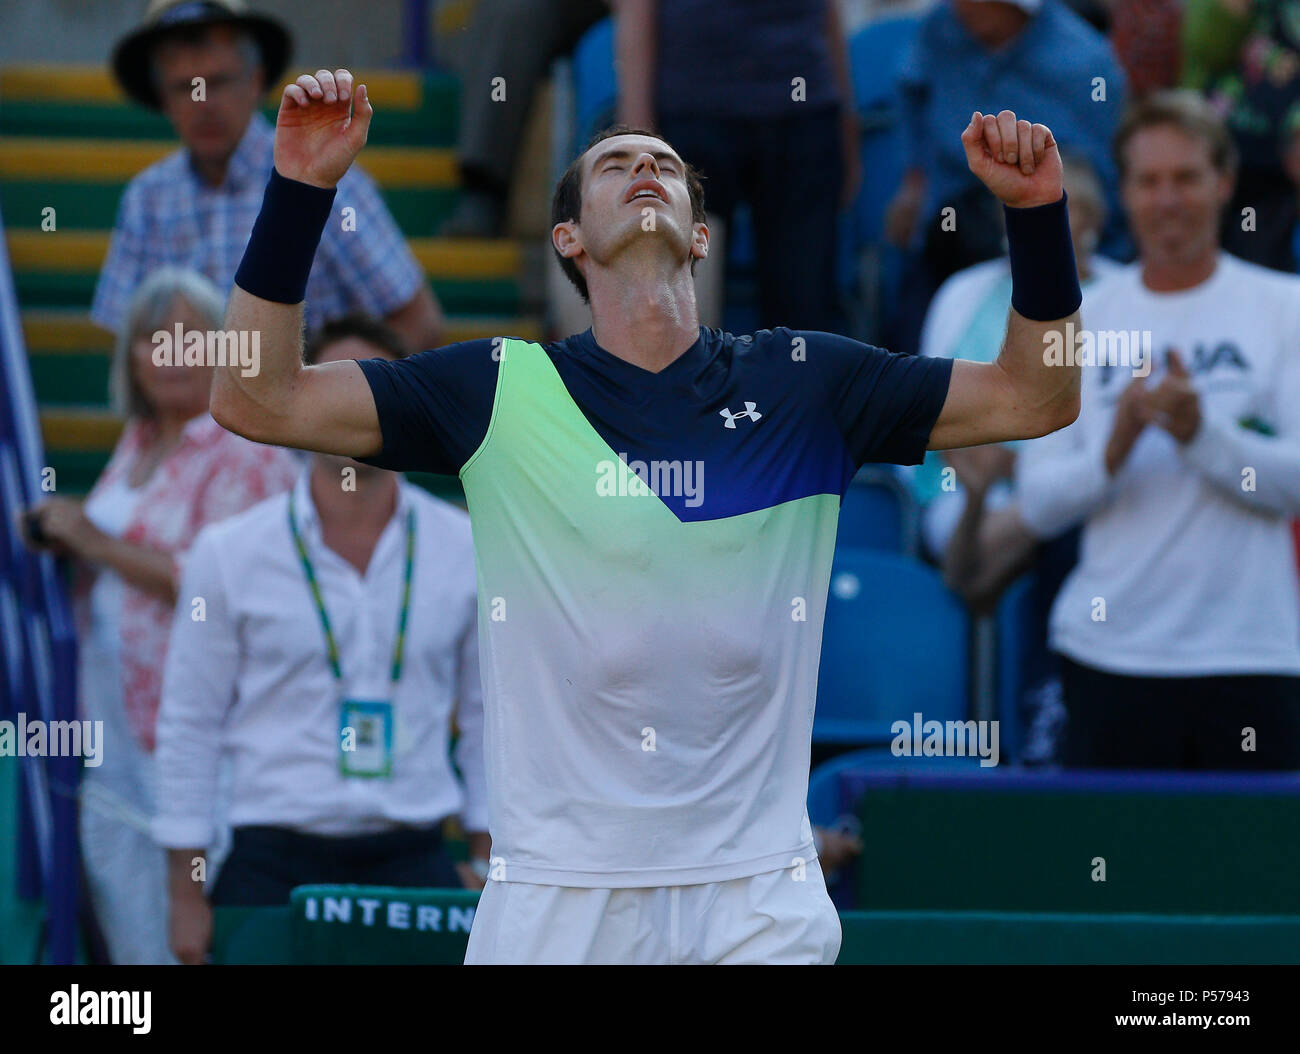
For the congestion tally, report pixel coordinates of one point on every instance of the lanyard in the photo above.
(331, 644)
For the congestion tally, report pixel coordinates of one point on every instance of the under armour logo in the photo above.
(749, 412)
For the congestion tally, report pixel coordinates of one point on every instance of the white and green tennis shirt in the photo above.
(653, 553)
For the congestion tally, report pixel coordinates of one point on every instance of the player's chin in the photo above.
(657, 227)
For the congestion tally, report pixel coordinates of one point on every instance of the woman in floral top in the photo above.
(174, 470)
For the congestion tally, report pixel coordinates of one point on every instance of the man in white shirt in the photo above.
(1180, 626)
(322, 642)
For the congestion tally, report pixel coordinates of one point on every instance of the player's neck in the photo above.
(648, 321)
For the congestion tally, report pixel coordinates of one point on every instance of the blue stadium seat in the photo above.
(895, 643)
(595, 84)
(879, 512)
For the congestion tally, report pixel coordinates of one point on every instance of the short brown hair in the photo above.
(355, 324)
(1186, 110)
(566, 206)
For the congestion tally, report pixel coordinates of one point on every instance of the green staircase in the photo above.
(70, 140)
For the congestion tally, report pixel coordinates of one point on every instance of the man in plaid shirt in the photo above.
(196, 207)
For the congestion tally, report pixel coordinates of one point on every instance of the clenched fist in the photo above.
(318, 131)
(1018, 161)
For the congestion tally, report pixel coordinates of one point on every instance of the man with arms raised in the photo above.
(649, 656)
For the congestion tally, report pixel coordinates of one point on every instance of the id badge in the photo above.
(366, 738)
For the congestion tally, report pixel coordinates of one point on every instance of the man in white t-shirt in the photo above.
(1180, 627)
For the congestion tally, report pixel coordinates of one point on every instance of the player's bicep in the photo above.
(332, 410)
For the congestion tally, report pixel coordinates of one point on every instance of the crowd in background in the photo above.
(245, 610)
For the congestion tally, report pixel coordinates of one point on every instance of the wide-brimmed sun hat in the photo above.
(131, 62)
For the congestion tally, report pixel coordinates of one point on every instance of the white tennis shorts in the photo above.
(777, 917)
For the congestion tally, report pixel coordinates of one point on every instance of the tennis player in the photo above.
(654, 508)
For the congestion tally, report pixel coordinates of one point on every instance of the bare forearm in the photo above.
(1019, 396)
(1038, 357)
(1044, 388)
(326, 408)
(181, 865)
(991, 556)
(961, 558)
(262, 398)
(149, 570)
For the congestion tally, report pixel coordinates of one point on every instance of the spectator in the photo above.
(1147, 39)
(363, 621)
(1030, 56)
(196, 207)
(1179, 629)
(173, 471)
(516, 40)
(1245, 55)
(758, 96)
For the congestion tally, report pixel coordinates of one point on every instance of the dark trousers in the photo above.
(518, 40)
(1269, 241)
(266, 863)
(1188, 723)
(790, 171)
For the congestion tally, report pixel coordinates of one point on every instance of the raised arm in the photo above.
(326, 408)
(1026, 392)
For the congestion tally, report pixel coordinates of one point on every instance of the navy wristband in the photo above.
(1044, 278)
(283, 244)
